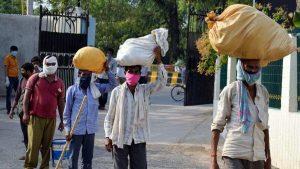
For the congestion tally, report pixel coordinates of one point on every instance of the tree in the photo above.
(11, 6)
(171, 16)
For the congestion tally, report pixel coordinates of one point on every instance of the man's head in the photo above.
(36, 61)
(14, 50)
(251, 66)
(27, 70)
(110, 52)
(133, 74)
(50, 65)
(85, 78)
(248, 70)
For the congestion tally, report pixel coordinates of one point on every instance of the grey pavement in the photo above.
(180, 137)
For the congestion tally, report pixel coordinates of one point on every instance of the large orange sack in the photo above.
(244, 32)
(89, 58)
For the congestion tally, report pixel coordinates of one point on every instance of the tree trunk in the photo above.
(171, 8)
(174, 31)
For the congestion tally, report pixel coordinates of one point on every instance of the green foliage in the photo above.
(119, 20)
(207, 64)
(11, 7)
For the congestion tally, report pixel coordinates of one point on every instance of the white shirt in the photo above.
(134, 115)
(249, 146)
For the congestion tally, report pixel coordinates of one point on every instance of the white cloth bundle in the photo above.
(139, 51)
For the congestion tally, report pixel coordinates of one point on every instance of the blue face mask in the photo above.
(245, 76)
(84, 82)
(14, 53)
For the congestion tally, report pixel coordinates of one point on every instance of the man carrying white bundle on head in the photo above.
(126, 124)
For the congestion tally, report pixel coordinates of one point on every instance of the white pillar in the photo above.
(231, 70)
(289, 82)
(29, 5)
(216, 87)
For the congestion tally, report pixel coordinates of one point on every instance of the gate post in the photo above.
(231, 70)
(216, 87)
(289, 82)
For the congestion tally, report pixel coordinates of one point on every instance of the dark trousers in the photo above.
(234, 163)
(13, 84)
(136, 153)
(87, 142)
(24, 130)
(103, 97)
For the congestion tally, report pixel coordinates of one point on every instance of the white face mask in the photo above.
(49, 70)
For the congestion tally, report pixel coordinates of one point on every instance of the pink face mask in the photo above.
(132, 79)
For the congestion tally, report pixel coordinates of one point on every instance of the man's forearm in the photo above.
(61, 106)
(215, 135)
(26, 106)
(267, 143)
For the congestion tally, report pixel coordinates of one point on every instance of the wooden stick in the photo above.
(72, 131)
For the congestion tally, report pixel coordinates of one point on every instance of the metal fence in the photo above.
(272, 80)
(67, 75)
(61, 35)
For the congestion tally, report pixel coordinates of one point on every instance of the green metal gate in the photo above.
(272, 80)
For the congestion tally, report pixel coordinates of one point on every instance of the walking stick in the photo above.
(72, 130)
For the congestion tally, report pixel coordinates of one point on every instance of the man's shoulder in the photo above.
(33, 77)
(263, 89)
(230, 87)
(59, 80)
(115, 92)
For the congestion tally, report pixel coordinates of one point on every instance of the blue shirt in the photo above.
(89, 117)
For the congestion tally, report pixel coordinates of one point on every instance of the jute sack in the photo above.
(244, 32)
(90, 58)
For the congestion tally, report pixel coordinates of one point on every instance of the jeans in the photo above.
(87, 143)
(13, 84)
(136, 153)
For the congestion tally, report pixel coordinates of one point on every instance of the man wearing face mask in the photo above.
(243, 111)
(44, 94)
(26, 71)
(11, 74)
(36, 61)
(126, 124)
(84, 133)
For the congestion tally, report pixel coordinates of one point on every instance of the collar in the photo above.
(127, 88)
(10, 55)
(55, 78)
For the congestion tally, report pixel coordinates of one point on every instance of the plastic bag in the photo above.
(89, 58)
(139, 51)
(244, 32)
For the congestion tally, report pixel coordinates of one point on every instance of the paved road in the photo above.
(179, 137)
